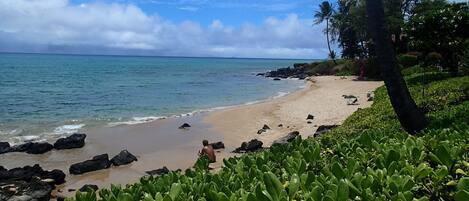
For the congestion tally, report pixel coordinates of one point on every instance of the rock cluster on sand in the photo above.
(310, 117)
(28, 183)
(102, 161)
(158, 172)
(218, 145)
(98, 162)
(323, 129)
(70, 142)
(123, 158)
(76, 140)
(251, 146)
(184, 126)
(285, 140)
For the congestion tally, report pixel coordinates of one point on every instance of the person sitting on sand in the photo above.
(208, 151)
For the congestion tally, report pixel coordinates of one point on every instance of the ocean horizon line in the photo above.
(157, 56)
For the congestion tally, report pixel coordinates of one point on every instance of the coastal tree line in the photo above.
(425, 32)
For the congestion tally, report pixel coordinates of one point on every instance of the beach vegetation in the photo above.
(368, 157)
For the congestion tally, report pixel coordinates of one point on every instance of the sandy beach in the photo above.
(322, 98)
(161, 143)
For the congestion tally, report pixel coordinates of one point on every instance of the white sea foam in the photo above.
(68, 129)
(138, 120)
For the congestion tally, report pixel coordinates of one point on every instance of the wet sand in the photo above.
(161, 143)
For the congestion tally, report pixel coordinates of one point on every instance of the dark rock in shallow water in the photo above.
(277, 79)
(260, 131)
(4, 147)
(123, 158)
(265, 127)
(323, 129)
(88, 187)
(158, 172)
(251, 146)
(284, 140)
(218, 145)
(260, 74)
(184, 126)
(310, 117)
(96, 163)
(39, 148)
(21, 147)
(76, 140)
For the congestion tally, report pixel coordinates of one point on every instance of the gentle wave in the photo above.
(141, 120)
(68, 129)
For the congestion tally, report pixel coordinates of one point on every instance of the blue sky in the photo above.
(218, 28)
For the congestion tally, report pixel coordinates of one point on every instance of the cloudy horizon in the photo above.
(141, 27)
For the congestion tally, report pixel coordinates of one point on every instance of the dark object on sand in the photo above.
(323, 129)
(184, 126)
(251, 146)
(158, 172)
(265, 127)
(4, 147)
(88, 187)
(76, 140)
(96, 163)
(309, 122)
(28, 183)
(285, 140)
(280, 125)
(123, 158)
(39, 148)
(310, 117)
(218, 145)
(260, 131)
(351, 99)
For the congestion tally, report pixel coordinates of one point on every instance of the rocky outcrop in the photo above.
(39, 148)
(184, 126)
(4, 147)
(88, 187)
(123, 158)
(323, 129)
(28, 147)
(96, 163)
(285, 140)
(251, 146)
(218, 145)
(158, 172)
(297, 72)
(28, 183)
(76, 140)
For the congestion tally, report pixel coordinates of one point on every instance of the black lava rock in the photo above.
(123, 158)
(96, 163)
(76, 140)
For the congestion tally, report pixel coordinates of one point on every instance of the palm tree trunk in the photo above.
(328, 42)
(410, 117)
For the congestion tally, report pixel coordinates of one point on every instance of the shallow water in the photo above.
(47, 96)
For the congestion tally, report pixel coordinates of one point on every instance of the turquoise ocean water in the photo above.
(45, 95)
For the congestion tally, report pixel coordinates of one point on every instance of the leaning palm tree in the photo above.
(410, 117)
(324, 14)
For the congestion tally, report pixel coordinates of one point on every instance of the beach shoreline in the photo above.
(160, 143)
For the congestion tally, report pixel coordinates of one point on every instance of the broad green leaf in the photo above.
(337, 170)
(272, 185)
(175, 191)
(342, 191)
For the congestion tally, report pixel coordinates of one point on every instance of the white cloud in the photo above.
(58, 26)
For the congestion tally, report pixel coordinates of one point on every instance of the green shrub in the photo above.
(419, 69)
(465, 63)
(407, 60)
